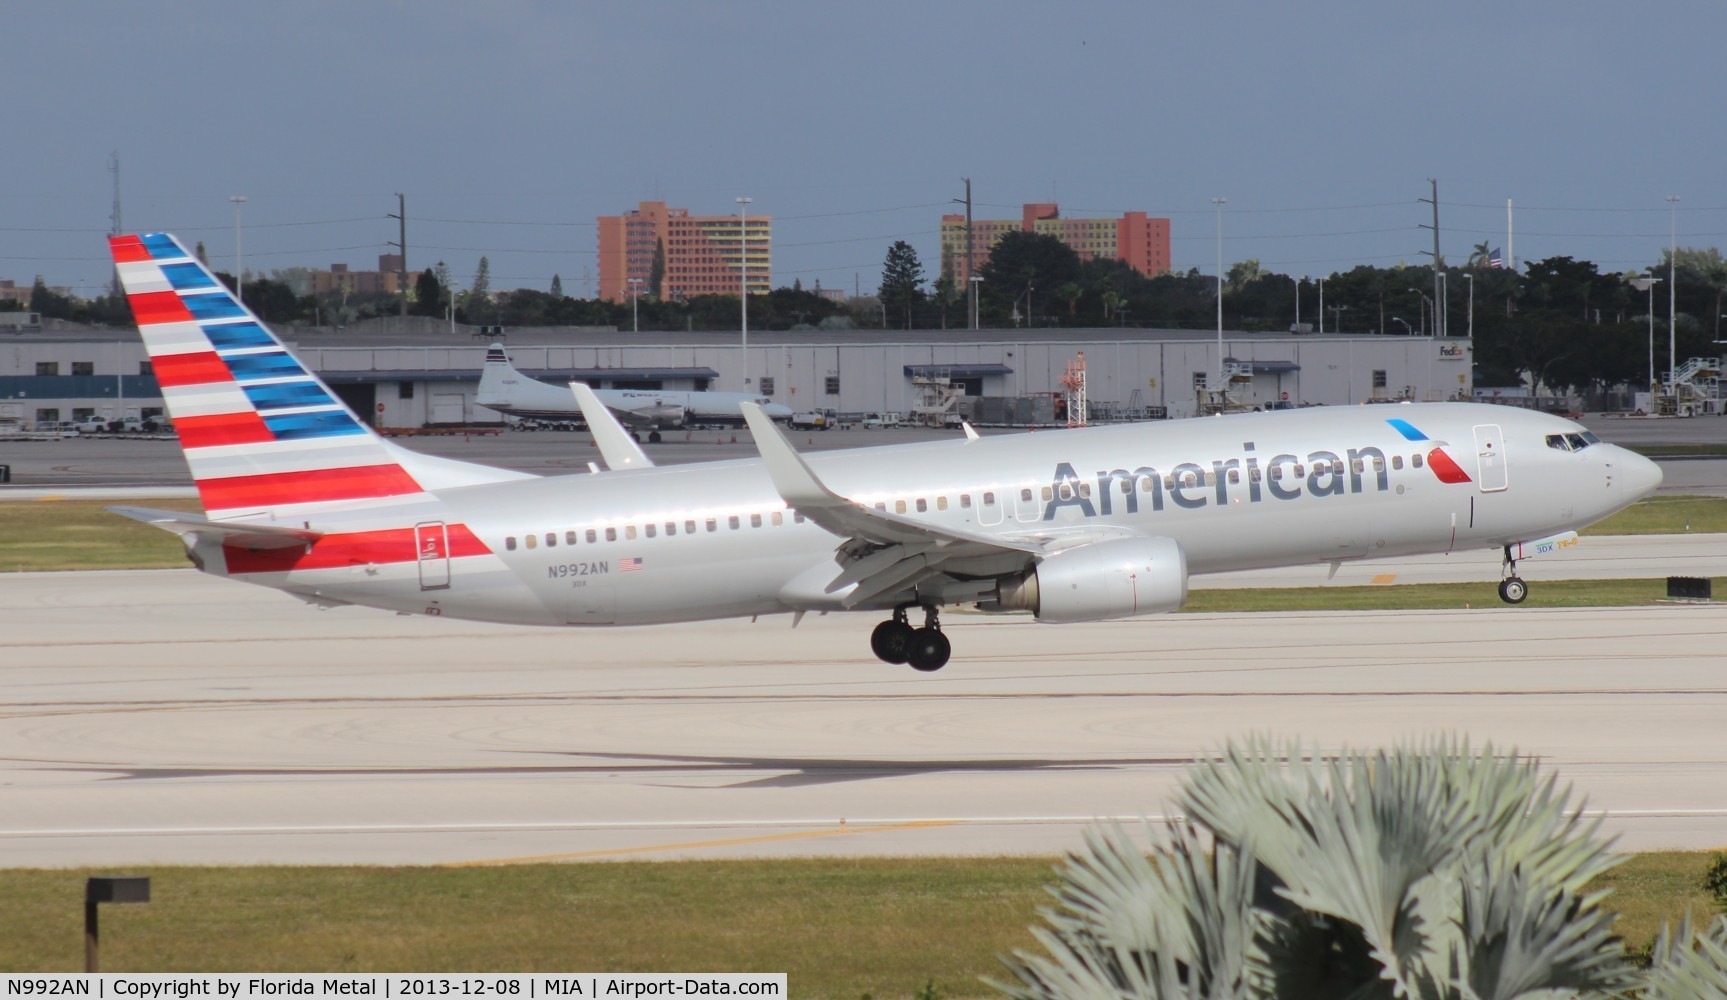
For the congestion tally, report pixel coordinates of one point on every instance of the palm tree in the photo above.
(1428, 871)
(1478, 257)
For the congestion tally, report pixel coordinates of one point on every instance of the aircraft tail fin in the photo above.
(260, 432)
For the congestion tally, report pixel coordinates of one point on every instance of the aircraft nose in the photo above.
(1638, 476)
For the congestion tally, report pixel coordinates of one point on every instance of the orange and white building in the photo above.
(704, 254)
(1137, 240)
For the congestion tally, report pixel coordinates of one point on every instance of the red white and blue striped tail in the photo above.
(260, 432)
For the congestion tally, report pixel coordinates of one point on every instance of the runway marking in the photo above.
(838, 831)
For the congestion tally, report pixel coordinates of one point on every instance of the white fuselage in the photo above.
(715, 540)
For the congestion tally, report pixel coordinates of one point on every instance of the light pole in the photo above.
(1442, 310)
(1219, 202)
(1471, 277)
(1321, 281)
(1673, 299)
(1427, 306)
(744, 278)
(1408, 330)
(976, 291)
(1298, 283)
(239, 258)
(635, 293)
(1647, 283)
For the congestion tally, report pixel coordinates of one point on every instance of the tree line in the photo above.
(1559, 323)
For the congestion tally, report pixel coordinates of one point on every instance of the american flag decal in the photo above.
(629, 565)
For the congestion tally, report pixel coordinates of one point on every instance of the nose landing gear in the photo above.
(1512, 589)
(926, 649)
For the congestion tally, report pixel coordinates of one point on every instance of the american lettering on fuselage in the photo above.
(1190, 485)
(1079, 526)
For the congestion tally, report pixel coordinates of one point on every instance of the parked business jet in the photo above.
(1072, 526)
(507, 390)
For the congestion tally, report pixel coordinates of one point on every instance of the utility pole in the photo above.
(971, 286)
(1438, 324)
(401, 216)
(115, 227)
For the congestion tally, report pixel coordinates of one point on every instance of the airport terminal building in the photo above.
(429, 376)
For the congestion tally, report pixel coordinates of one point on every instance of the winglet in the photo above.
(796, 483)
(971, 433)
(617, 448)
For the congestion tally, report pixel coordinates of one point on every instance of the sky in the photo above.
(510, 125)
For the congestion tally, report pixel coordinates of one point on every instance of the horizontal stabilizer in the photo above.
(251, 536)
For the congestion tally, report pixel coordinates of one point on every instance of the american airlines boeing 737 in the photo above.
(1072, 526)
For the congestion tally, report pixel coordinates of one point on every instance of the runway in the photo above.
(166, 717)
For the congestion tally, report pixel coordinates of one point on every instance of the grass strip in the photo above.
(1431, 596)
(43, 535)
(1666, 515)
(838, 927)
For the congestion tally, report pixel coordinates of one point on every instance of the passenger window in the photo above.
(570, 538)
(1378, 465)
(531, 540)
(1234, 476)
(965, 501)
(671, 528)
(1415, 461)
(551, 539)
(1396, 462)
(941, 503)
(592, 536)
(630, 533)
(649, 529)
(1298, 470)
(1169, 481)
(1356, 467)
(713, 524)
(779, 518)
(611, 534)
(798, 517)
(510, 542)
(690, 527)
(1277, 472)
(899, 506)
(1025, 495)
(922, 505)
(1148, 484)
(732, 522)
(755, 520)
(1252, 475)
(1049, 494)
(1085, 490)
(881, 507)
(988, 499)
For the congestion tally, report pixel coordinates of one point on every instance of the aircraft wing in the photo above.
(883, 552)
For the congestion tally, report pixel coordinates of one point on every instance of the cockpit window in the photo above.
(1576, 442)
(1558, 441)
(1591, 438)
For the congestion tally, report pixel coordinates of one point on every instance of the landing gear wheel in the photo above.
(892, 639)
(929, 650)
(1513, 590)
(653, 437)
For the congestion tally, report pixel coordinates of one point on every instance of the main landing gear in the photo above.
(895, 641)
(1512, 589)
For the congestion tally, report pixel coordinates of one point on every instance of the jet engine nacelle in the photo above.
(1120, 578)
(664, 415)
